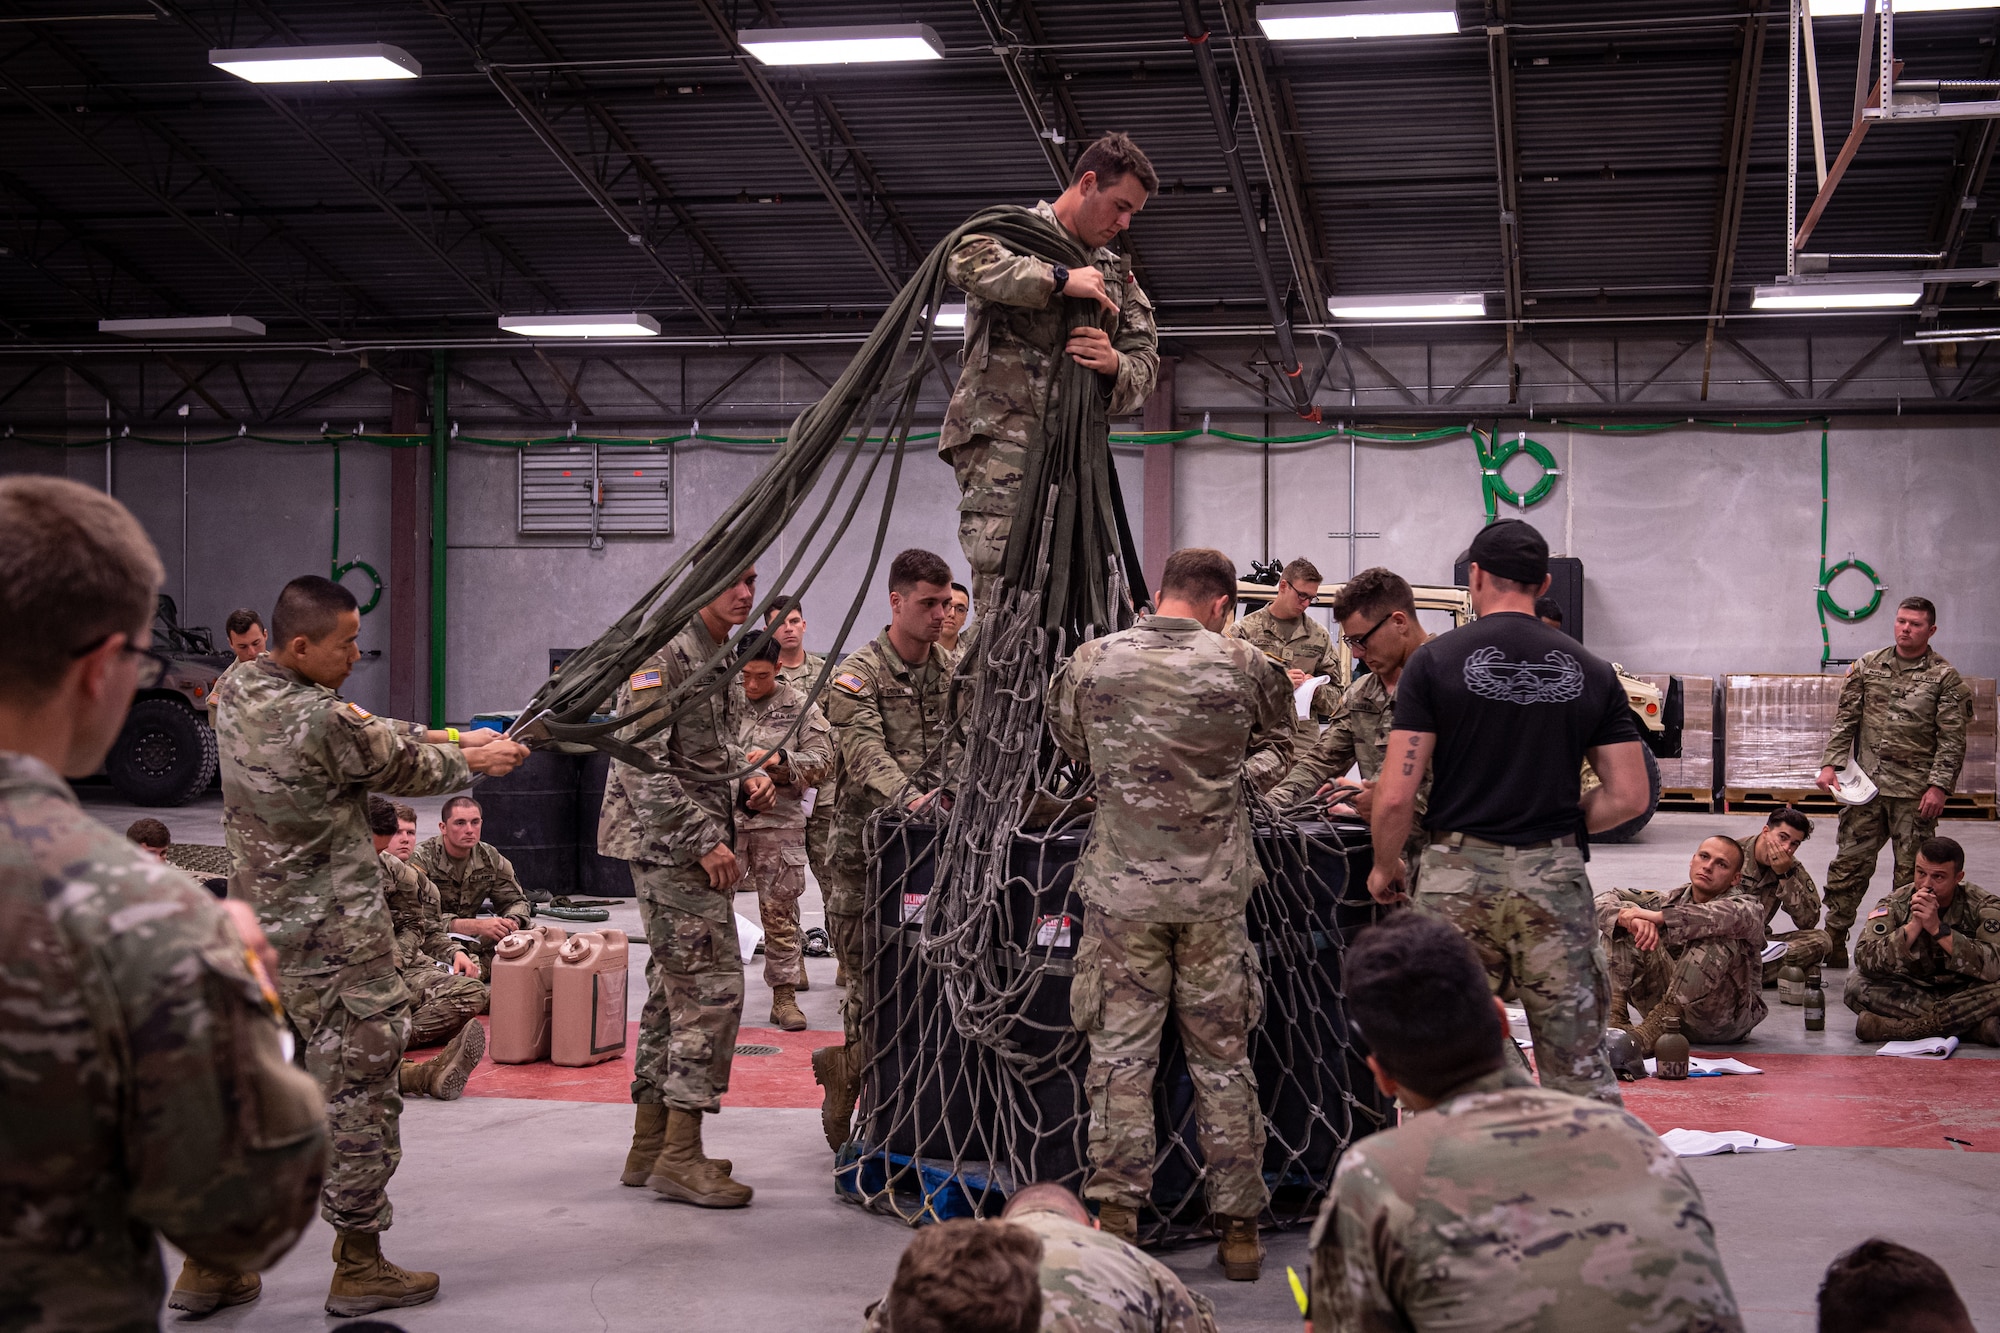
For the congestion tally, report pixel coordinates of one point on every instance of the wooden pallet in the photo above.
(1693, 799)
(1813, 801)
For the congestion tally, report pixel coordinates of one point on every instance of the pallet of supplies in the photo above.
(1688, 783)
(1774, 731)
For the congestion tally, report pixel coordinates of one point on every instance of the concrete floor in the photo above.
(515, 1201)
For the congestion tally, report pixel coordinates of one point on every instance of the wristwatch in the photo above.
(1061, 276)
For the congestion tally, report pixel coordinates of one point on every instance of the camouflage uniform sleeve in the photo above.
(864, 748)
(1846, 720)
(225, 1142)
(1330, 757)
(1353, 1242)
(498, 881)
(1733, 916)
(812, 749)
(1273, 725)
(1975, 953)
(1883, 953)
(1954, 707)
(1138, 344)
(1065, 718)
(984, 268)
(1799, 896)
(1610, 902)
(368, 750)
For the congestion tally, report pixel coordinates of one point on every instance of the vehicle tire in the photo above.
(165, 755)
(1629, 830)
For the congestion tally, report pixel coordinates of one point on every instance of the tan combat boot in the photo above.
(446, 1073)
(833, 1069)
(785, 1012)
(1986, 1033)
(1647, 1034)
(413, 1078)
(1241, 1253)
(805, 982)
(203, 1290)
(1874, 1027)
(649, 1133)
(1120, 1220)
(363, 1281)
(682, 1172)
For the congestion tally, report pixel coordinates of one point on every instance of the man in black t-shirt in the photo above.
(1503, 712)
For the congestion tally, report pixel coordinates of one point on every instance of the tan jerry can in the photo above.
(589, 1025)
(524, 965)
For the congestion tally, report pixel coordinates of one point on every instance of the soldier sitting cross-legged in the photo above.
(1928, 961)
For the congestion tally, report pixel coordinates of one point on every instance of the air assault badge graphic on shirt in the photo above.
(644, 680)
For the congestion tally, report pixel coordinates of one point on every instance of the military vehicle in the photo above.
(166, 753)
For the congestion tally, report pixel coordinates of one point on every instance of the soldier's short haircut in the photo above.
(1300, 571)
(75, 568)
(1046, 1196)
(381, 816)
(1922, 604)
(966, 1276)
(778, 604)
(1792, 818)
(242, 620)
(149, 833)
(1940, 850)
(456, 802)
(766, 651)
(1375, 591)
(406, 814)
(1735, 845)
(1418, 995)
(310, 606)
(916, 566)
(1198, 574)
(1114, 157)
(956, 586)
(1548, 608)
(1882, 1287)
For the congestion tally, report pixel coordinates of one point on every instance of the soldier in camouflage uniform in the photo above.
(888, 709)
(1928, 962)
(775, 726)
(1298, 643)
(1902, 715)
(1173, 718)
(1093, 1282)
(1017, 324)
(951, 637)
(801, 670)
(446, 993)
(146, 1091)
(1773, 876)
(298, 763)
(1498, 1204)
(679, 831)
(468, 873)
(1377, 612)
(1690, 953)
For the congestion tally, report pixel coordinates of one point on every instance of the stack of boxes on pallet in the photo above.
(1980, 768)
(1688, 783)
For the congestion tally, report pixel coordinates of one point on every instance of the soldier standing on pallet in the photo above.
(888, 706)
(1901, 717)
(1298, 643)
(1016, 326)
(679, 831)
(1502, 712)
(1173, 718)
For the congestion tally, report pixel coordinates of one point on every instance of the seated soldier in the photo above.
(209, 865)
(446, 993)
(1928, 964)
(1882, 1287)
(468, 872)
(150, 836)
(772, 843)
(1691, 953)
(1502, 1205)
(1093, 1280)
(1773, 876)
(964, 1276)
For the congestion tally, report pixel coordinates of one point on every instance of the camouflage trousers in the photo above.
(1863, 830)
(849, 943)
(694, 988)
(352, 1027)
(819, 845)
(774, 865)
(1946, 1009)
(1803, 949)
(989, 484)
(1529, 915)
(1696, 975)
(445, 1002)
(1129, 976)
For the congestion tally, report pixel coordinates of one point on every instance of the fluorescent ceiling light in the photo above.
(633, 325)
(1357, 18)
(950, 317)
(318, 64)
(865, 44)
(1851, 9)
(1865, 295)
(1410, 305)
(195, 326)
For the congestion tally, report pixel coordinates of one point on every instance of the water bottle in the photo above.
(1791, 984)
(1670, 1052)
(1815, 1002)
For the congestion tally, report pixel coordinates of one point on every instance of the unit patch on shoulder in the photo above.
(360, 712)
(850, 682)
(645, 680)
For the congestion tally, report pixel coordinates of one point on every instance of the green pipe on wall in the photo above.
(440, 435)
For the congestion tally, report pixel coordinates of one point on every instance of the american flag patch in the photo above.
(850, 682)
(645, 680)
(1880, 911)
(360, 712)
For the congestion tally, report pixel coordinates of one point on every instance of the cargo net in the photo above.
(974, 1081)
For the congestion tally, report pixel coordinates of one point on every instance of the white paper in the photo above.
(1703, 1143)
(1302, 697)
(748, 936)
(1517, 1027)
(1775, 949)
(809, 802)
(1700, 1068)
(1924, 1048)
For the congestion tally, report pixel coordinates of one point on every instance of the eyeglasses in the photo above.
(1359, 641)
(153, 666)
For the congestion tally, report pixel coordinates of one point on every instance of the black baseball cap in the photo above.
(1511, 549)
